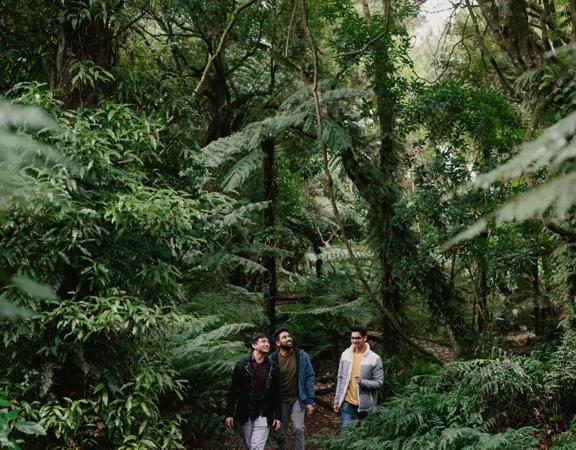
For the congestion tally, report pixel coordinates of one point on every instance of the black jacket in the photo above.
(240, 392)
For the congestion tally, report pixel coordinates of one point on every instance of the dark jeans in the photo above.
(348, 413)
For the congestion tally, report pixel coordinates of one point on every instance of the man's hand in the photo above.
(309, 409)
(276, 425)
(229, 422)
(336, 409)
(358, 379)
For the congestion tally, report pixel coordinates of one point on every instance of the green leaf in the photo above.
(12, 312)
(30, 428)
(34, 289)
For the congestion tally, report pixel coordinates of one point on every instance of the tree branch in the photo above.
(223, 37)
(566, 234)
(366, 46)
(484, 50)
(289, 29)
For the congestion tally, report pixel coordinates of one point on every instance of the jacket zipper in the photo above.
(248, 369)
(270, 368)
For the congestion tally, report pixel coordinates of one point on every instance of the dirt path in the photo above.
(443, 352)
(321, 422)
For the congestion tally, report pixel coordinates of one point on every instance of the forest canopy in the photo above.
(176, 175)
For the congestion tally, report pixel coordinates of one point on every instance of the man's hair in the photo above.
(278, 332)
(358, 327)
(257, 336)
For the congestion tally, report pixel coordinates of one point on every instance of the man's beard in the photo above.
(287, 347)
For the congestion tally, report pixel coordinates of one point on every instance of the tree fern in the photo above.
(244, 147)
(552, 149)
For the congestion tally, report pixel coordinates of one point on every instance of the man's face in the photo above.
(262, 345)
(357, 339)
(285, 341)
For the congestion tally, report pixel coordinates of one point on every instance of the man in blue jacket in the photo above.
(298, 386)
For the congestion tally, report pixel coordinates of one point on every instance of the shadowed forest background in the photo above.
(177, 174)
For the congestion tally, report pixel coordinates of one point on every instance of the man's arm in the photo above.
(233, 393)
(377, 377)
(339, 385)
(310, 380)
(276, 396)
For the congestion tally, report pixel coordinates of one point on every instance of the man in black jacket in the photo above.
(254, 398)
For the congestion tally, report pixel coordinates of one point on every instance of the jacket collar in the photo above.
(249, 358)
(274, 355)
(366, 350)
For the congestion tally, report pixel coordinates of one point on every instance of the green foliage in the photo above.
(565, 440)
(551, 150)
(13, 419)
(130, 282)
(107, 361)
(452, 409)
(19, 155)
(561, 378)
(86, 73)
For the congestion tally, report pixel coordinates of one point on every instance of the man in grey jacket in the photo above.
(360, 377)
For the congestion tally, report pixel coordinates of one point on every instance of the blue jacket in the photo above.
(305, 376)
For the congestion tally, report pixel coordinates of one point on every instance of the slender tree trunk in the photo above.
(271, 195)
(319, 262)
(537, 310)
(483, 313)
(573, 19)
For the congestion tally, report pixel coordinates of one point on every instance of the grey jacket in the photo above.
(371, 376)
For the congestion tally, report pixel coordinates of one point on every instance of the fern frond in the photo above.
(554, 147)
(242, 170)
(334, 253)
(334, 310)
(242, 214)
(558, 196)
(247, 265)
(222, 150)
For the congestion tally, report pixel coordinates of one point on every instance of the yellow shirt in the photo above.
(352, 392)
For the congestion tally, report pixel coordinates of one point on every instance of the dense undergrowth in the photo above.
(508, 402)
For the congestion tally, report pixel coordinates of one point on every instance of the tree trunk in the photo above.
(84, 40)
(508, 23)
(443, 300)
(319, 262)
(483, 314)
(271, 196)
(381, 216)
(573, 19)
(537, 310)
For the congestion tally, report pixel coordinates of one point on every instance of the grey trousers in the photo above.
(255, 432)
(293, 412)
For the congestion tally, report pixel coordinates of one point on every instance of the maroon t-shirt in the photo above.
(259, 372)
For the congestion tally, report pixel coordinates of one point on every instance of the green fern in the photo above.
(243, 148)
(552, 149)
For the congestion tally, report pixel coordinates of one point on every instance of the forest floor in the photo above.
(323, 422)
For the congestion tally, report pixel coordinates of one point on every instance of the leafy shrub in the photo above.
(456, 408)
